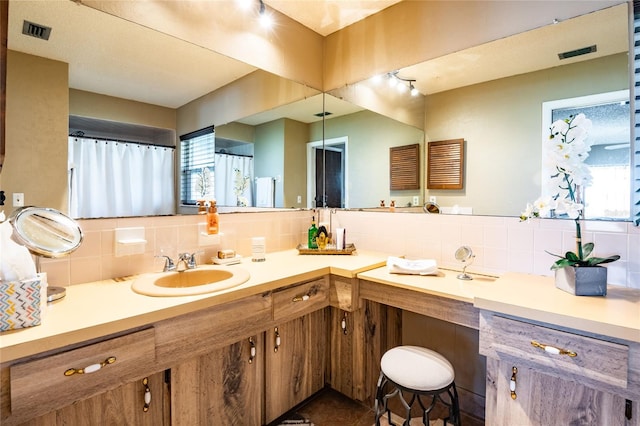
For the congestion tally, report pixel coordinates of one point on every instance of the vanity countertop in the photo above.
(97, 309)
(532, 297)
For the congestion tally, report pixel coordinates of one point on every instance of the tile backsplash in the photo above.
(501, 244)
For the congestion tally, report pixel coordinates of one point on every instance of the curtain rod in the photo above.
(121, 141)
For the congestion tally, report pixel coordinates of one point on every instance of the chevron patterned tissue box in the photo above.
(19, 304)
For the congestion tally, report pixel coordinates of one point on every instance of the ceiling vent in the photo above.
(577, 52)
(36, 30)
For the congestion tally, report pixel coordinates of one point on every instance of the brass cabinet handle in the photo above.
(512, 382)
(302, 298)
(553, 350)
(252, 351)
(90, 368)
(147, 394)
(277, 340)
(343, 323)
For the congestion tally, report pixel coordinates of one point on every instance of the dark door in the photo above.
(333, 184)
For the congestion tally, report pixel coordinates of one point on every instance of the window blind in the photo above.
(197, 159)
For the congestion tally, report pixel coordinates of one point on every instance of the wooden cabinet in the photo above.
(295, 357)
(544, 400)
(539, 374)
(120, 406)
(222, 387)
(47, 384)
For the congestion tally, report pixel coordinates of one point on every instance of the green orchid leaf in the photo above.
(587, 249)
(562, 263)
(554, 255)
(572, 256)
(600, 260)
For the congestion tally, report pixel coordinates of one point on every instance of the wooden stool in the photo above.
(420, 372)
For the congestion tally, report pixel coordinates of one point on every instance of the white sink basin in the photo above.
(202, 280)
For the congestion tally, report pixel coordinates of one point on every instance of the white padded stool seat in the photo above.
(417, 368)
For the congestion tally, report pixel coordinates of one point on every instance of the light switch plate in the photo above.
(18, 199)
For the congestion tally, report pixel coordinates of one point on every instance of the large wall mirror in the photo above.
(490, 95)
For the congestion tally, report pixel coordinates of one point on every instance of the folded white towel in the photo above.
(397, 265)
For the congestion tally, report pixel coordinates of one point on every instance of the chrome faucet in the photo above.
(168, 264)
(189, 260)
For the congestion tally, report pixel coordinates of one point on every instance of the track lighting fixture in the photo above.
(265, 17)
(400, 83)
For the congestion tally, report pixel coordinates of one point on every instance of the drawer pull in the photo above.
(553, 350)
(147, 395)
(90, 368)
(252, 351)
(512, 382)
(277, 340)
(343, 323)
(302, 298)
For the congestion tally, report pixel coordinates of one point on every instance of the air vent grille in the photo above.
(36, 30)
(578, 52)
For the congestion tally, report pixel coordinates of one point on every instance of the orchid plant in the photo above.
(567, 150)
(240, 185)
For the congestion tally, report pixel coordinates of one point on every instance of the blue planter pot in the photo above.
(582, 280)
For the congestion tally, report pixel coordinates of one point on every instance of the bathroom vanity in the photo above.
(250, 354)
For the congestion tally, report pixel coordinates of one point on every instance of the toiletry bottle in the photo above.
(392, 207)
(202, 209)
(212, 218)
(313, 232)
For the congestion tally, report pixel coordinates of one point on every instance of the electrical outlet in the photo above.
(18, 199)
(416, 200)
(299, 199)
(432, 199)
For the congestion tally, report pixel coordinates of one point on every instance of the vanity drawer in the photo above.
(300, 299)
(584, 359)
(42, 384)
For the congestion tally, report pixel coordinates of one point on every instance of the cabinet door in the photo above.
(222, 387)
(124, 405)
(546, 400)
(341, 361)
(295, 362)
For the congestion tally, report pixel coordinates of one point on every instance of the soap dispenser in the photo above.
(212, 218)
(313, 232)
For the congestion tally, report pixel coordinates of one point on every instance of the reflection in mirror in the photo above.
(608, 159)
(492, 95)
(170, 91)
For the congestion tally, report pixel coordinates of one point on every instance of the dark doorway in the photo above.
(334, 178)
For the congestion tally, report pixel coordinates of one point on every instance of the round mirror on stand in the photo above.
(465, 255)
(48, 233)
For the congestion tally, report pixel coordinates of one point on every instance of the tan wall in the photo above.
(94, 105)
(37, 113)
(501, 122)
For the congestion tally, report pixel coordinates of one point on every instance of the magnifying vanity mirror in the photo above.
(48, 233)
(465, 255)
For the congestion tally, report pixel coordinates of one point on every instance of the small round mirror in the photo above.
(45, 231)
(465, 255)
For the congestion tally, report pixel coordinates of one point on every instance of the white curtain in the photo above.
(119, 179)
(226, 183)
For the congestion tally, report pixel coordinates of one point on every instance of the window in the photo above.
(608, 195)
(197, 164)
